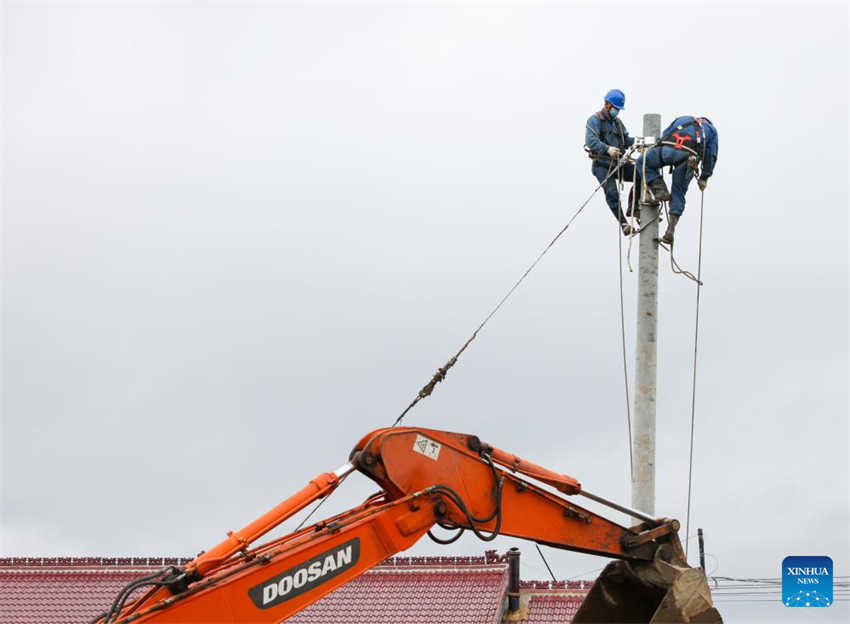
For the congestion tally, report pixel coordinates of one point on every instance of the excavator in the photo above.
(428, 478)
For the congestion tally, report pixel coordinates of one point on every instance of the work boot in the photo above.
(671, 228)
(659, 190)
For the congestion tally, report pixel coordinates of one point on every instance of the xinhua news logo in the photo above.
(807, 581)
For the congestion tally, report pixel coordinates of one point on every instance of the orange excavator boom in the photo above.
(428, 478)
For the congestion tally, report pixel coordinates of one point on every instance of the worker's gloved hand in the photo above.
(702, 184)
(614, 152)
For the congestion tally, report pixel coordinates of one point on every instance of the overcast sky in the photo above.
(235, 239)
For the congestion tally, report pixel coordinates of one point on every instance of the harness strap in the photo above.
(677, 140)
(619, 126)
(679, 146)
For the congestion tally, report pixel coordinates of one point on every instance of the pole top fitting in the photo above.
(652, 124)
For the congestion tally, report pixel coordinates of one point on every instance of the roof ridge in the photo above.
(76, 562)
(495, 569)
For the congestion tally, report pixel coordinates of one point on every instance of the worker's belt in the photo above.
(595, 156)
(603, 156)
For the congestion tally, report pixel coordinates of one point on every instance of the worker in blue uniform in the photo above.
(684, 145)
(605, 139)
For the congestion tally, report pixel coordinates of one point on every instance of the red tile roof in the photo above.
(546, 608)
(402, 590)
(466, 594)
(44, 595)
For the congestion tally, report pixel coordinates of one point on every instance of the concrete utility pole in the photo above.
(643, 444)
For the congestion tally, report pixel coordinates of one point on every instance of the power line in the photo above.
(765, 579)
(772, 600)
(585, 573)
(765, 589)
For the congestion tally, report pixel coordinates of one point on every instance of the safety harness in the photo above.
(680, 141)
(619, 127)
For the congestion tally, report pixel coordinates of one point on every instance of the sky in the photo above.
(235, 239)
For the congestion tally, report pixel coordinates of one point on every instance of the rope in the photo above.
(623, 341)
(319, 504)
(635, 231)
(552, 574)
(674, 265)
(312, 511)
(441, 373)
(694, 381)
(635, 210)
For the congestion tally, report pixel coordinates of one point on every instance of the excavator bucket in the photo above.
(652, 592)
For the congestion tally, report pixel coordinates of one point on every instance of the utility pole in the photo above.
(643, 443)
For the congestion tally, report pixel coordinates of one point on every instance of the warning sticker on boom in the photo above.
(427, 447)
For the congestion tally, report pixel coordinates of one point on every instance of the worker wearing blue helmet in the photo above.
(688, 145)
(605, 139)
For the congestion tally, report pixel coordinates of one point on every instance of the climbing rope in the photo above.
(441, 373)
(552, 574)
(623, 337)
(634, 214)
(635, 209)
(674, 265)
(694, 381)
(625, 366)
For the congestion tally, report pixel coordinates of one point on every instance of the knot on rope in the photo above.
(428, 388)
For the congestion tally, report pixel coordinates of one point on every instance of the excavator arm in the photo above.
(469, 474)
(428, 478)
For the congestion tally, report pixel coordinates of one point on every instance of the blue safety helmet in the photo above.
(616, 98)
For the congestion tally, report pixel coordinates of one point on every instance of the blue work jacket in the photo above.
(708, 153)
(602, 131)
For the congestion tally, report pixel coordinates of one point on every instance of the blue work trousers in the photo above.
(682, 172)
(612, 192)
